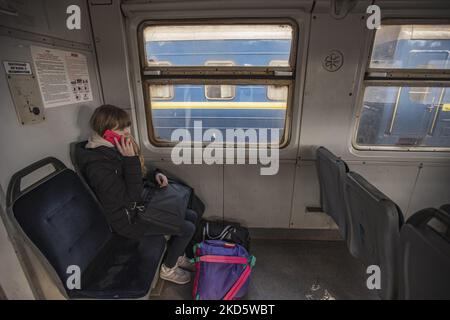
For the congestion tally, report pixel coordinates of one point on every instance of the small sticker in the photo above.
(14, 67)
(446, 107)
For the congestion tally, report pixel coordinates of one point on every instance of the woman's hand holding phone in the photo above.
(125, 147)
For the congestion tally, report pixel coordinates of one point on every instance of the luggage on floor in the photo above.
(222, 270)
(219, 230)
(224, 230)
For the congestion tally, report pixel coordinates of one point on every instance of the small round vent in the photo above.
(333, 61)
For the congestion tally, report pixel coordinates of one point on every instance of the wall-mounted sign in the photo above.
(63, 76)
(24, 91)
(16, 67)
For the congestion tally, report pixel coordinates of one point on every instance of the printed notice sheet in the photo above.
(63, 76)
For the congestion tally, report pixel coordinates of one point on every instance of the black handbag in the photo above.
(165, 207)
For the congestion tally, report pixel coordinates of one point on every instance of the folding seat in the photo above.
(332, 171)
(375, 228)
(62, 222)
(425, 255)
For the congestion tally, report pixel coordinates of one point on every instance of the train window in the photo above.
(192, 45)
(411, 47)
(224, 76)
(405, 117)
(219, 92)
(252, 110)
(161, 92)
(406, 100)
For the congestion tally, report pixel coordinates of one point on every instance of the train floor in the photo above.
(295, 269)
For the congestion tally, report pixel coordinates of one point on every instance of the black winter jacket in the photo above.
(118, 184)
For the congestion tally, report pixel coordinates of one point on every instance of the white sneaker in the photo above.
(175, 274)
(185, 263)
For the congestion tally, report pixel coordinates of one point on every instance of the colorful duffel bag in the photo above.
(222, 270)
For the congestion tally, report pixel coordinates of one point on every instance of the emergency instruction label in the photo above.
(63, 76)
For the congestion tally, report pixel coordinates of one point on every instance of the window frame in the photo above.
(384, 77)
(218, 75)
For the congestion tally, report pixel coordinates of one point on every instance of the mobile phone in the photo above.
(109, 135)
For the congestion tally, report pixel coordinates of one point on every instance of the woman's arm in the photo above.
(132, 171)
(132, 174)
(112, 189)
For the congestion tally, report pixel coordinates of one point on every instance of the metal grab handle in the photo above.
(14, 191)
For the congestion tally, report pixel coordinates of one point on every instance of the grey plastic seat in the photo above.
(376, 222)
(425, 263)
(332, 172)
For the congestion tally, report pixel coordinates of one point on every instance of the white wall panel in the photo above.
(258, 201)
(432, 188)
(396, 180)
(307, 194)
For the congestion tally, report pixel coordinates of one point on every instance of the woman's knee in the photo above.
(188, 228)
(191, 216)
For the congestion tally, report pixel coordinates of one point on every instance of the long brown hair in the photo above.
(109, 117)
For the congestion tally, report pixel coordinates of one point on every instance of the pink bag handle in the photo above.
(238, 284)
(223, 259)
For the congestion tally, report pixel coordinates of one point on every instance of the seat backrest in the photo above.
(74, 146)
(60, 217)
(376, 222)
(332, 171)
(74, 158)
(425, 252)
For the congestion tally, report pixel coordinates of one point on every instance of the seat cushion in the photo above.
(124, 269)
